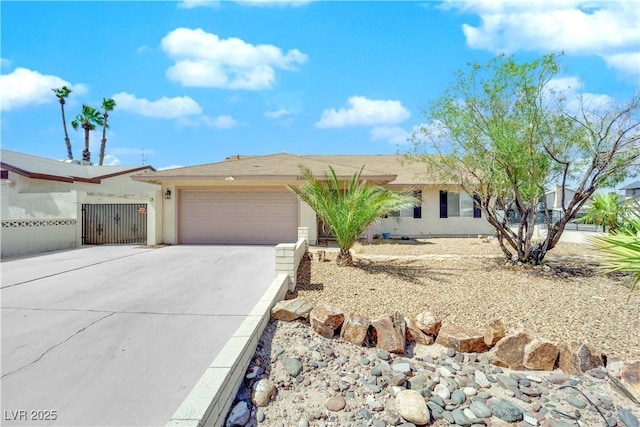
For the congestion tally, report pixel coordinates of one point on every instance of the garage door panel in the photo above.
(243, 218)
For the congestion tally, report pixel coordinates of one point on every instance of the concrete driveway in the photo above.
(114, 335)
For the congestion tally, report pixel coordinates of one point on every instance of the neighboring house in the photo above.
(244, 200)
(632, 191)
(51, 204)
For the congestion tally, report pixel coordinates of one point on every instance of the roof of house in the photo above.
(56, 170)
(634, 185)
(382, 168)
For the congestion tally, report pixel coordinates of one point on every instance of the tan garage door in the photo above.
(208, 217)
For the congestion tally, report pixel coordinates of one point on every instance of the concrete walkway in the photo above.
(119, 335)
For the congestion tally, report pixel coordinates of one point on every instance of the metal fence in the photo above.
(114, 224)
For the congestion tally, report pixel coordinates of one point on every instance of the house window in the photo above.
(410, 212)
(4, 174)
(455, 204)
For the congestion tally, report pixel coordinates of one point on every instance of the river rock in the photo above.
(412, 407)
(509, 351)
(262, 393)
(240, 415)
(354, 329)
(464, 339)
(335, 403)
(540, 355)
(325, 319)
(506, 411)
(293, 366)
(390, 329)
(291, 309)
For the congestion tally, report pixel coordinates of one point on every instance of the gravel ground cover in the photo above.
(467, 281)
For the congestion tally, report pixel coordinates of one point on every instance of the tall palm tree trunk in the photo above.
(67, 141)
(103, 142)
(86, 154)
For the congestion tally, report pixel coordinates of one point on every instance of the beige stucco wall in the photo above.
(431, 225)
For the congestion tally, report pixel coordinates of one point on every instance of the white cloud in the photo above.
(163, 108)
(143, 49)
(190, 4)
(274, 115)
(111, 160)
(164, 168)
(23, 88)
(571, 88)
(608, 29)
(205, 60)
(220, 122)
(269, 3)
(392, 134)
(364, 112)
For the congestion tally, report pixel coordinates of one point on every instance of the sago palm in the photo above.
(605, 210)
(88, 119)
(621, 253)
(62, 93)
(108, 105)
(348, 208)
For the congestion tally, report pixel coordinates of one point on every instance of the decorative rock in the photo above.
(354, 329)
(404, 367)
(240, 415)
(630, 377)
(540, 355)
(293, 366)
(627, 418)
(461, 338)
(262, 393)
(260, 415)
(460, 418)
(576, 401)
(509, 351)
(506, 411)
(390, 329)
(481, 379)
(469, 391)
(494, 331)
(411, 406)
(458, 396)
(443, 391)
(417, 382)
(479, 409)
(557, 378)
(428, 323)
(335, 403)
(577, 357)
(291, 309)
(325, 319)
(530, 419)
(414, 333)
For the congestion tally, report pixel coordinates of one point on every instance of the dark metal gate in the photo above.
(114, 224)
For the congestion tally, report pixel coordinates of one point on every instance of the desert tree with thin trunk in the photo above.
(108, 105)
(62, 93)
(348, 207)
(88, 119)
(502, 133)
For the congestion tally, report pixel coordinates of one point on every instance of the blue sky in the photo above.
(197, 81)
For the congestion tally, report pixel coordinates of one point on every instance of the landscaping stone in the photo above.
(263, 391)
(415, 334)
(509, 351)
(629, 376)
(428, 323)
(540, 355)
(627, 418)
(412, 407)
(494, 331)
(461, 338)
(506, 411)
(240, 415)
(325, 319)
(390, 329)
(336, 403)
(577, 357)
(354, 329)
(293, 366)
(289, 310)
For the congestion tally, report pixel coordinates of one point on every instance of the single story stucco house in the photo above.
(244, 200)
(49, 204)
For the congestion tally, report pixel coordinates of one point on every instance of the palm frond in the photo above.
(620, 253)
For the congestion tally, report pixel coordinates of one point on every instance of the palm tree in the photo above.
(62, 93)
(88, 119)
(348, 208)
(605, 210)
(108, 105)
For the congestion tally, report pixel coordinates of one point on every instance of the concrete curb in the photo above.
(210, 399)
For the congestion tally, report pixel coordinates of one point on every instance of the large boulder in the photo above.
(428, 322)
(540, 355)
(354, 329)
(630, 377)
(461, 338)
(292, 309)
(509, 351)
(494, 331)
(415, 333)
(390, 330)
(577, 357)
(325, 319)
